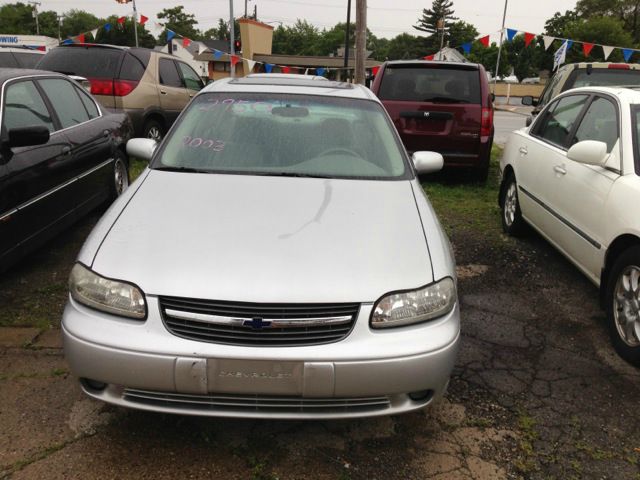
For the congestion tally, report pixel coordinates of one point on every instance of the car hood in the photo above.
(267, 239)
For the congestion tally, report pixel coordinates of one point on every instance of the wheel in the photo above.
(512, 221)
(120, 175)
(623, 305)
(153, 130)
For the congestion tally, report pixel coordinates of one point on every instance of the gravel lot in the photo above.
(538, 391)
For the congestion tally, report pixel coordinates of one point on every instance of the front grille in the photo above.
(255, 403)
(254, 324)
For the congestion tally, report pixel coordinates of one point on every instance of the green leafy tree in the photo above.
(17, 18)
(461, 32)
(600, 30)
(332, 39)
(405, 47)
(123, 35)
(221, 32)
(298, 39)
(48, 21)
(626, 11)
(557, 24)
(76, 22)
(179, 21)
(488, 57)
(440, 10)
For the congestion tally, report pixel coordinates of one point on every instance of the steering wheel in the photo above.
(333, 151)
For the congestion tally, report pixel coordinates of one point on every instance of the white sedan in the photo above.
(573, 175)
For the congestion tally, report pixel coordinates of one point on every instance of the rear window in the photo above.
(7, 60)
(429, 84)
(89, 62)
(604, 77)
(27, 60)
(134, 65)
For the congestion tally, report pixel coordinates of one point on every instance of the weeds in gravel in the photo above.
(527, 463)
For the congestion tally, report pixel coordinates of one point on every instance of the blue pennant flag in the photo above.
(68, 41)
(107, 27)
(569, 44)
(511, 33)
(466, 47)
(627, 52)
(170, 35)
(268, 67)
(217, 54)
(320, 71)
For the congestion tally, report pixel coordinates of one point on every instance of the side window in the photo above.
(88, 103)
(560, 119)
(132, 68)
(600, 122)
(548, 93)
(65, 100)
(191, 78)
(24, 107)
(169, 75)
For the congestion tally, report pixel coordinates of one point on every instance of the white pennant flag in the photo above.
(94, 32)
(201, 48)
(561, 55)
(607, 51)
(547, 41)
(250, 65)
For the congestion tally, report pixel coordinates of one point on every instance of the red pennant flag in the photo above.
(143, 19)
(234, 60)
(586, 48)
(80, 38)
(186, 42)
(375, 70)
(121, 21)
(286, 69)
(528, 37)
(484, 40)
(428, 57)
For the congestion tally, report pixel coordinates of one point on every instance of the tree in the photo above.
(124, 35)
(221, 32)
(557, 24)
(488, 57)
(405, 47)
(178, 21)
(600, 30)
(76, 22)
(461, 32)
(17, 18)
(299, 39)
(440, 10)
(626, 11)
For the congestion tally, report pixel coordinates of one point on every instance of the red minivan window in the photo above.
(438, 85)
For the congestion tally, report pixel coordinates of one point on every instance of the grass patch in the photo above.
(136, 167)
(463, 204)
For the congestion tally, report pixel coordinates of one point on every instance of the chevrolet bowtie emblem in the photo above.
(257, 323)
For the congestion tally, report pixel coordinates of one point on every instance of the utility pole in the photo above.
(361, 39)
(60, 17)
(346, 37)
(135, 22)
(441, 23)
(495, 78)
(232, 35)
(35, 15)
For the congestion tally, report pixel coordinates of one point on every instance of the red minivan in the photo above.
(444, 107)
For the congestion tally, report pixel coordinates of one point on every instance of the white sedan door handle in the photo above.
(523, 150)
(560, 169)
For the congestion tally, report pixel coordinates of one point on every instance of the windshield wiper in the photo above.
(445, 100)
(290, 174)
(180, 169)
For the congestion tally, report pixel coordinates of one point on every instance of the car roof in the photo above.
(469, 65)
(297, 86)
(10, 73)
(287, 75)
(630, 94)
(601, 65)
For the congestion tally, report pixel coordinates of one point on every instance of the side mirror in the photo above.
(427, 162)
(590, 152)
(27, 136)
(141, 148)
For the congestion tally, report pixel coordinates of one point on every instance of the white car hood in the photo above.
(267, 239)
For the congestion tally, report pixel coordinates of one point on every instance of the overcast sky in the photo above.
(386, 18)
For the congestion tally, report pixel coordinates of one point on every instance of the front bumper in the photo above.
(368, 373)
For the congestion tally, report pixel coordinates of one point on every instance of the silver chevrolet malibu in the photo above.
(278, 259)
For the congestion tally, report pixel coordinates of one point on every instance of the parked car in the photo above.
(19, 57)
(151, 86)
(441, 106)
(574, 176)
(282, 261)
(575, 75)
(61, 155)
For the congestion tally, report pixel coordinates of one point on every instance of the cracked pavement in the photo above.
(538, 392)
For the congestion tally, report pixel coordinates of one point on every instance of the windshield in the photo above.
(430, 84)
(277, 134)
(606, 77)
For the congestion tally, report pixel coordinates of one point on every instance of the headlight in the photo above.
(414, 306)
(112, 296)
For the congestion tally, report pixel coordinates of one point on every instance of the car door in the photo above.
(191, 79)
(89, 137)
(579, 191)
(540, 152)
(35, 192)
(173, 94)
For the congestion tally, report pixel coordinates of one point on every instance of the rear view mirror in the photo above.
(141, 148)
(427, 162)
(590, 152)
(27, 136)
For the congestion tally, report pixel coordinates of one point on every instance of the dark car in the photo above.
(151, 86)
(61, 156)
(19, 57)
(444, 107)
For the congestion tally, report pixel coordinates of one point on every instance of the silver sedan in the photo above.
(278, 259)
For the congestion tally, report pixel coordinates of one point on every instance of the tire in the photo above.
(119, 179)
(622, 301)
(512, 222)
(154, 130)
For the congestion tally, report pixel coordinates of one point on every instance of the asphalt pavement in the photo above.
(506, 119)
